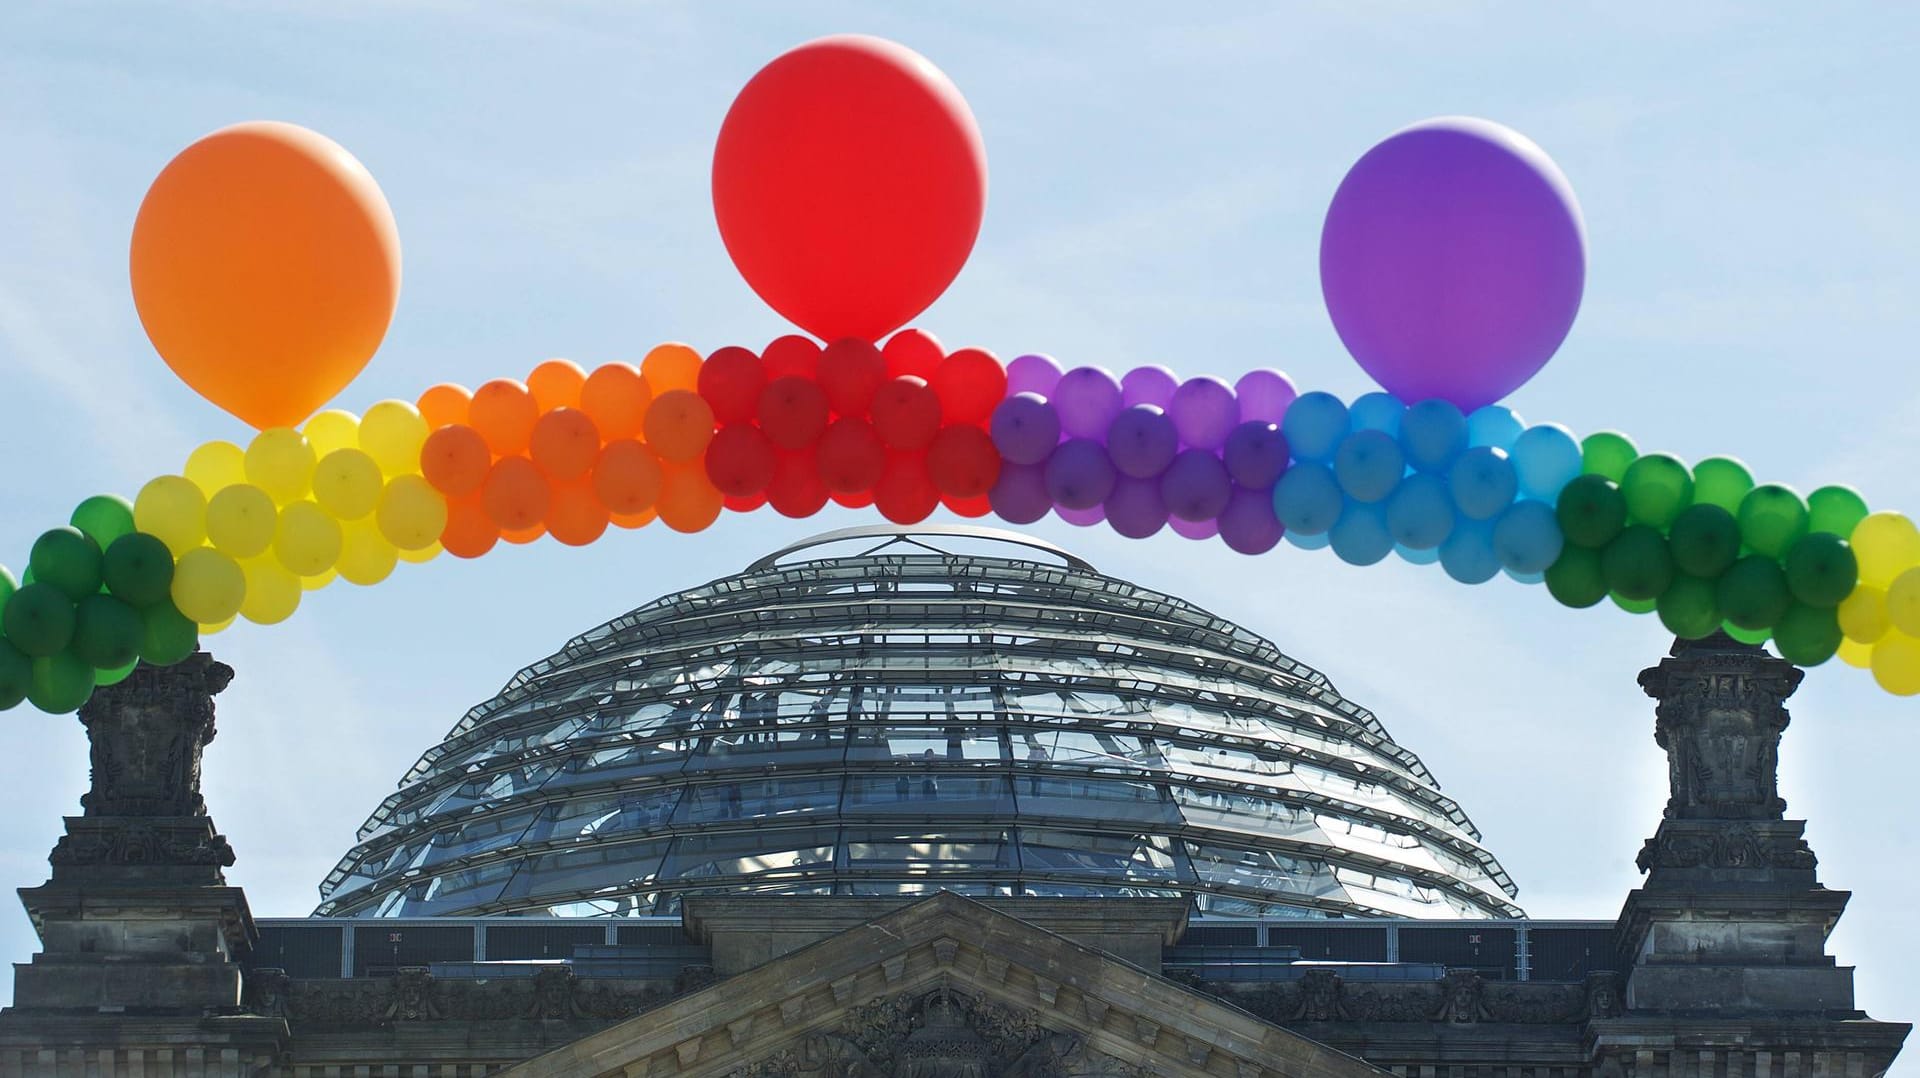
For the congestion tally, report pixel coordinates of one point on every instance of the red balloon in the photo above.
(970, 384)
(793, 411)
(851, 371)
(906, 413)
(850, 456)
(848, 183)
(743, 503)
(915, 352)
(791, 354)
(963, 462)
(796, 489)
(852, 499)
(968, 507)
(740, 460)
(730, 382)
(905, 493)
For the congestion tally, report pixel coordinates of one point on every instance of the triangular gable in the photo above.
(1034, 1004)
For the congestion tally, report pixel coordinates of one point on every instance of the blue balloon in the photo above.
(1524, 578)
(1377, 411)
(1360, 537)
(1307, 499)
(1368, 465)
(1416, 557)
(1527, 537)
(1433, 432)
(1314, 425)
(1420, 513)
(1308, 542)
(1545, 458)
(1468, 555)
(1494, 425)
(1483, 482)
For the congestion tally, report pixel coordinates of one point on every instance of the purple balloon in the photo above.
(1194, 529)
(1087, 398)
(1196, 486)
(1032, 374)
(1148, 385)
(1452, 261)
(1204, 410)
(1256, 455)
(1264, 396)
(1020, 495)
(1135, 509)
(1079, 475)
(1025, 428)
(1082, 518)
(1248, 525)
(1142, 441)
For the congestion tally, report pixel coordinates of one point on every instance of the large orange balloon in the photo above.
(265, 267)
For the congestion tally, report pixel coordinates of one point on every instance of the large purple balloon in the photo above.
(1452, 261)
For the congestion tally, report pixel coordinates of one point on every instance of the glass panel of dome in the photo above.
(1065, 796)
(455, 891)
(758, 797)
(765, 745)
(477, 836)
(911, 791)
(603, 867)
(1044, 851)
(622, 761)
(1084, 748)
(925, 887)
(610, 814)
(760, 852)
(1262, 870)
(920, 851)
(926, 744)
(1246, 814)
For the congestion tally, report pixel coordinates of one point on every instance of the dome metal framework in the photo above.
(886, 711)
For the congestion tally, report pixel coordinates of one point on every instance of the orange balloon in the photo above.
(455, 459)
(523, 536)
(443, 404)
(689, 502)
(503, 411)
(265, 267)
(470, 532)
(634, 520)
(616, 396)
(516, 495)
(565, 443)
(679, 425)
(670, 367)
(577, 516)
(556, 384)
(627, 478)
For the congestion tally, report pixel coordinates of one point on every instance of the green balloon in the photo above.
(138, 569)
(1835, 510)
(107, 632)
(1753, 593)
(1575, 579)
(1807, 635)
(1821, 570)
(1772, 518)
(67, 559)
(16, 676)
(1632, 606)
(1721, 481)
(1657, 488)
(8, 585)
(61, 683)
(104, 678)
(170, 635)
(1607, 453)
(39, 620)
(1591, 511)
(1705, 540)
(1746, 636)
(1637, 564)
(1688, 608)
(104, 518)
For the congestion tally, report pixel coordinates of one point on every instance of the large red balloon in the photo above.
(848, 182)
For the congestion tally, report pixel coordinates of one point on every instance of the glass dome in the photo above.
(884, 711)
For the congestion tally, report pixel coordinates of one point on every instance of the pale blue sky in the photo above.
(1747, 172)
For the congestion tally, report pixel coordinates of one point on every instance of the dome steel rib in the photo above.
(884, 711)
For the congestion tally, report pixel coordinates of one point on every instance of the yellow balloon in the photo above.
(241, 520)
(424, 554)
(365, 555)
(1856, 654)
(273, 594)
(332, 429)
(1863, 614)
(346, 483)
(412, 514)
(172, 510)
(280, 461)
(1903, 602)
(315, 583)
(217, 627)
(307, 541)
(1896, 664)
(208, 586)
(216, 466)
(392, 434)
(1886, 544)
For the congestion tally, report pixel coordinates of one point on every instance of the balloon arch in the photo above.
(849, 180)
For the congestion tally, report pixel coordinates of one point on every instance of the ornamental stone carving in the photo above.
(940, 1034)
(1721, 711)
(147, 734)
(1729, 846)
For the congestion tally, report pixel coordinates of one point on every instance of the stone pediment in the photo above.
(945, 988)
